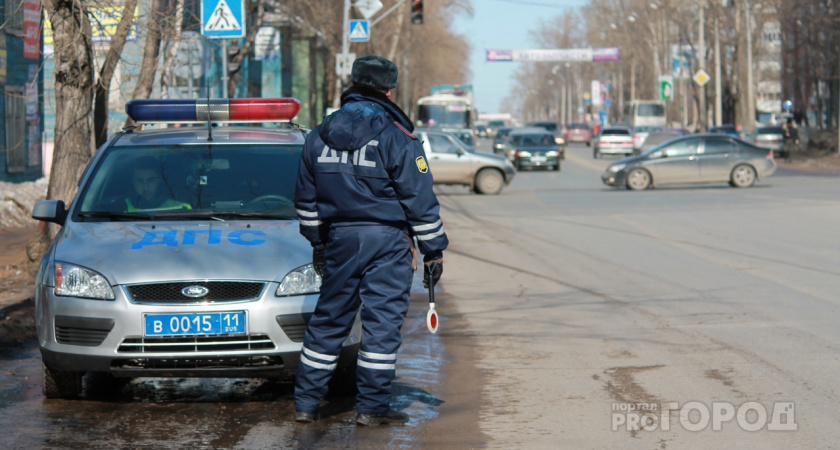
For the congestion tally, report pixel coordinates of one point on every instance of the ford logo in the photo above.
(195, 291)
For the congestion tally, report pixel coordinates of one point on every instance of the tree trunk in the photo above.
(174, 38)
(257, 15)
(74, 79)
(106, 74)
(151, 51)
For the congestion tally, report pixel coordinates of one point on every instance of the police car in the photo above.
(181, 254)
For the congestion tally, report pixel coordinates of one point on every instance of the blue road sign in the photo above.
(359, 31)
(222, 19)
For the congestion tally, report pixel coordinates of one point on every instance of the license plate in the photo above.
(538, 158)
(192, 324)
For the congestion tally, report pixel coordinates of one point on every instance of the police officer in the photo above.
(364, 190)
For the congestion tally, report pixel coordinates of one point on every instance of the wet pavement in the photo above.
(229, 413)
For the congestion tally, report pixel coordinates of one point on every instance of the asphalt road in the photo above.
(590, 304)
(573, 316)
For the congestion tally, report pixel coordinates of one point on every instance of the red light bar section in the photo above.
(256, 109)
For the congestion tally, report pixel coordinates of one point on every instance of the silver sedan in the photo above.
(704, 158)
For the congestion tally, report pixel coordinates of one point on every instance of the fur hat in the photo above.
(374, 71)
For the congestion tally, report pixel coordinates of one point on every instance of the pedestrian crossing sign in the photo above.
(221, 19)
(359, 31)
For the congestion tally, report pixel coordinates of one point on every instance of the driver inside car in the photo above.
(148, 190)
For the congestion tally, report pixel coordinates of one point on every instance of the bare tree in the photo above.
(106, 74)
(74, 83)
(151, 52)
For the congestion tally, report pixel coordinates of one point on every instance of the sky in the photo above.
(503, 24)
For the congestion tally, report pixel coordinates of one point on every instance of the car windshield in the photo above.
(615, 132)
(651, 110)
(550, 126)
(195, 181)
(645, 129)
(770, 130)
(532, 140)
(503, 132)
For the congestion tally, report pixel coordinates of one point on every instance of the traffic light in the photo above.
(417, 12)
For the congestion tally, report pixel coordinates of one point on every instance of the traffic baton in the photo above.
(432, 316)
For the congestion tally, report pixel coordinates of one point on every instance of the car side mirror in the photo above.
(461, 152)
(50, 211)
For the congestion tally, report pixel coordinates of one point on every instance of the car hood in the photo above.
(499, 159)
(630, 160)
(539, 148)
(127, 253)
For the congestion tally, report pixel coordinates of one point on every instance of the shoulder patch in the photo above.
(421, 164)
(405, 131)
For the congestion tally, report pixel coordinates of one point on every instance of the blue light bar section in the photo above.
(152, 110)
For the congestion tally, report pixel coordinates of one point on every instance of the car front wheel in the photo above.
(60, 384)
(489, 181)
(743, 175)
(638, 179)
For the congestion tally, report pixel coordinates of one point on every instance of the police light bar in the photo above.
(213, 110)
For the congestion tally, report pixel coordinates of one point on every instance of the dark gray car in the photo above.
(704, 158)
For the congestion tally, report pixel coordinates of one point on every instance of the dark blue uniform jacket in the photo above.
(368, 168)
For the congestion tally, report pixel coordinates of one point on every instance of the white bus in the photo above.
(645, 113)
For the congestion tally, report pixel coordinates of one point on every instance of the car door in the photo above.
(716, 159)
(448, 161)
(677, 162)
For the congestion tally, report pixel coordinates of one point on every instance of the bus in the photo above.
(446, 108)
(645, 113)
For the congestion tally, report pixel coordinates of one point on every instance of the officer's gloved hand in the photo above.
(433, 263)
(318, 258)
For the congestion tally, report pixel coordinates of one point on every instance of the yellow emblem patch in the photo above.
(421, 164)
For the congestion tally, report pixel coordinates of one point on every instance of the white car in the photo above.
(613, 141)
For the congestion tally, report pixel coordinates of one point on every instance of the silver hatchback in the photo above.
(181, 255)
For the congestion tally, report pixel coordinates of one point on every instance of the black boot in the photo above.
(305, 417)
(390, 416)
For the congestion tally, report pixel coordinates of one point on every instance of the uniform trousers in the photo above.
(367, 266)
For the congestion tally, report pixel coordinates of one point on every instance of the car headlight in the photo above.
(300, 281)
(523, 153)
(616, 167)
(551, 153)
(75, 281)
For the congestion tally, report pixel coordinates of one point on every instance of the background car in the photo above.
(704, 158)
(214, 282)
(464, 134)
(579, 132)
(500, 138)
(533, 147)
(613, 141)
(772, 138)
(553, 127)
(655, 138)
(640, 133)
(452, 163)
(727, 129)
(493, 127)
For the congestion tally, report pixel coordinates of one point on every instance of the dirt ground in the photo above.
(17, 316)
